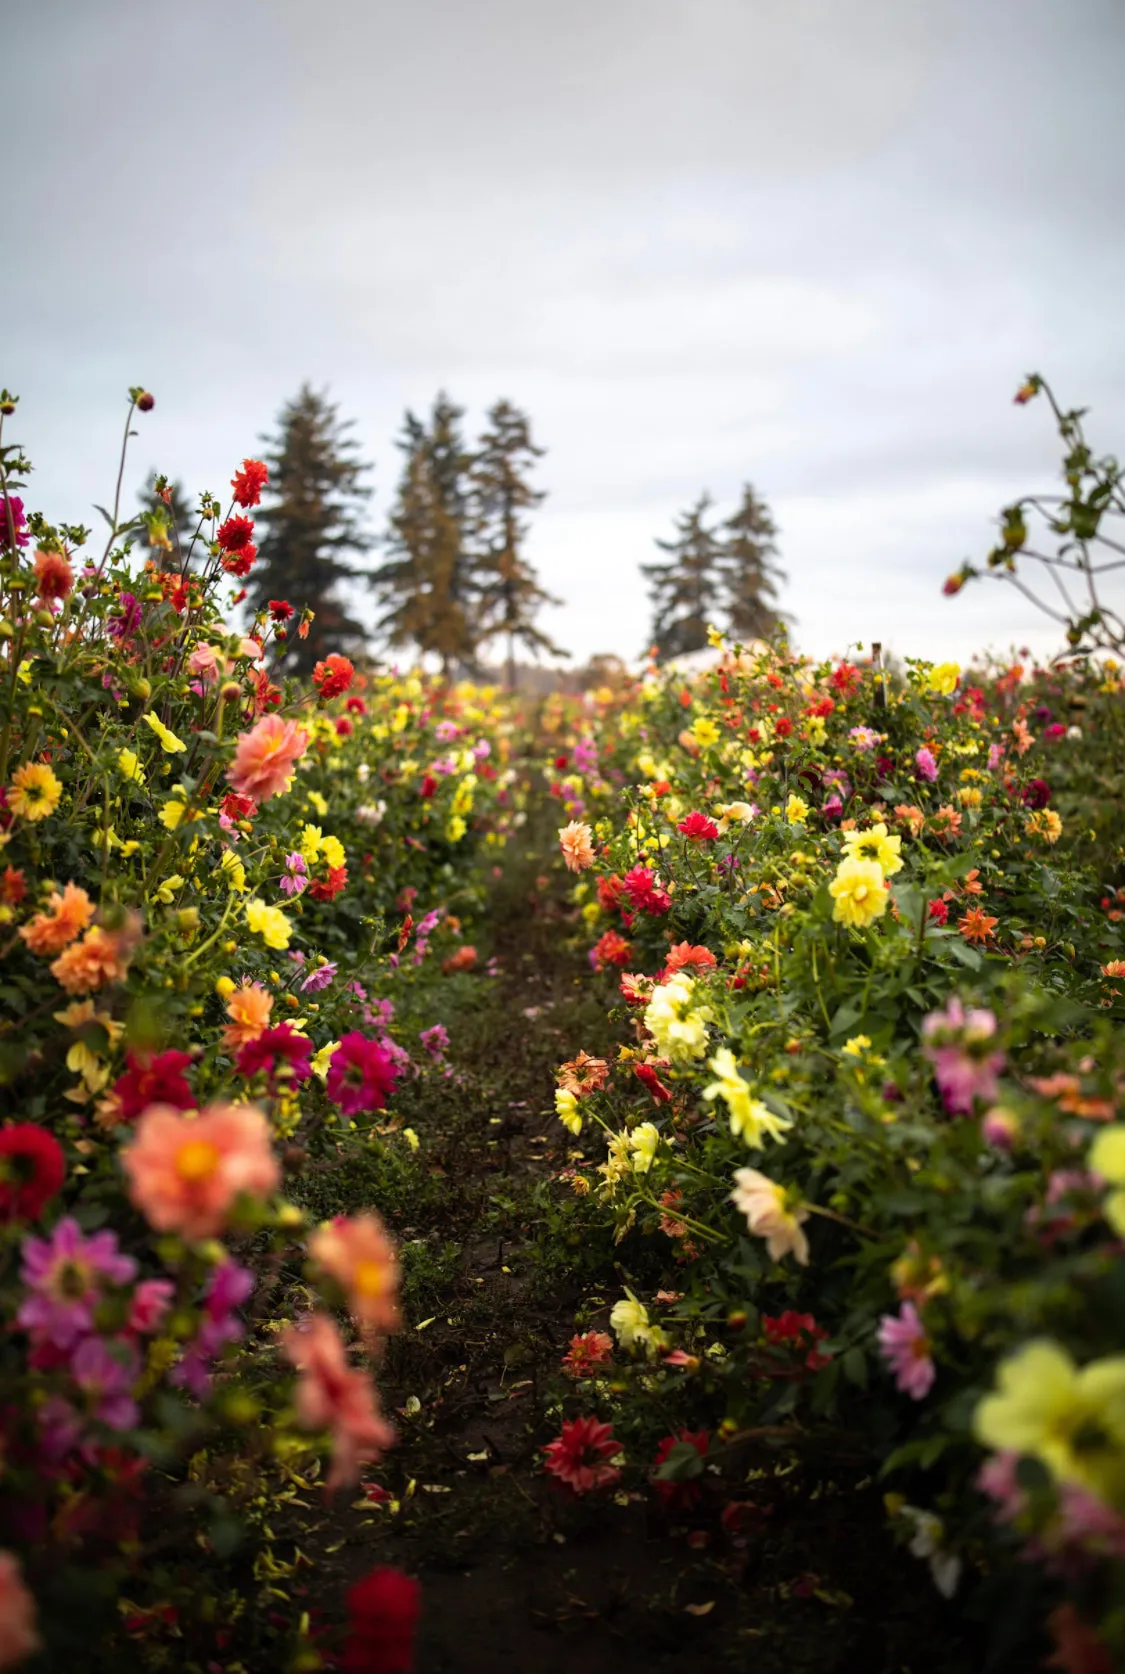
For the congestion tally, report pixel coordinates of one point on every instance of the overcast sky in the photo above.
(812, 244)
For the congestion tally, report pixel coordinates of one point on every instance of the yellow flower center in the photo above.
(370, 1278)
(72, 1280)
(197, 1160)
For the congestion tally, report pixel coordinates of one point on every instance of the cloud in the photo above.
(812, 244)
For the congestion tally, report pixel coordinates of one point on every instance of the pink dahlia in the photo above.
(698, 828)
(906, 1349)
(361, 1075)
(65, 1276)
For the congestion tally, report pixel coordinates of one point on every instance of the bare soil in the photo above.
(518, 1574)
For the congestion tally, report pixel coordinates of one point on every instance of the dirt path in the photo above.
(517, 1574)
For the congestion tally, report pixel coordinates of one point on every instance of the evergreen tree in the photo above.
(686, 592)
(749, 573)
(310, 519)
(510, 596)
(429, 584)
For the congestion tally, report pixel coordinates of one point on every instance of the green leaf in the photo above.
(1033, 1475)
(684, 1462)
(854, 1363)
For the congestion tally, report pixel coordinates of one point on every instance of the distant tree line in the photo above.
(452, 574)
(721, 575)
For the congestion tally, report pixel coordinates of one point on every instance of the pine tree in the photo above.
(511, 596)
(686, 592)
(749, 574)
(311, 518)
(429, 584)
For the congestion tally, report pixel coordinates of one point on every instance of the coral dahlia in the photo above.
(579, 1456)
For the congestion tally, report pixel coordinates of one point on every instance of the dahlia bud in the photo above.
(953, 584)
(1000, 1127)
(145, 402)
(737, 1320)
(239, 1407)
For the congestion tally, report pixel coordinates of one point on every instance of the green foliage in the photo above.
(836, 1119)
(1084, 526)
(185, 946)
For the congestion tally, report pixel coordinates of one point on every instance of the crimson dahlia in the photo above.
(157, 1079)
(644, 892)
(361, 1075)
(679, 1495)
(383, 1612)
(32, 1169)
(279, 1045)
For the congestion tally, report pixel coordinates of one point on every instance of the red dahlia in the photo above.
(235, 533)
(280, 609)
(679, 1494)
(249, 482)
(32, 1169)
(698, 828)
(579, 1455)
(383, 1612)
(155, 1079)
(240, 563)
(611, 949)
(333, 676)
(279, 1045)
(327, 889)
(644, 892)
(649, 1078)
(684, 956)
(13, 886)
(239, 807)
